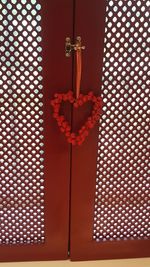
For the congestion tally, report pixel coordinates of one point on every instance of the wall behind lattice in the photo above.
(122, 207)
(21, 123)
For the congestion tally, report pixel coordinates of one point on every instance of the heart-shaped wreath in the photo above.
(76, 138)
(73, 138)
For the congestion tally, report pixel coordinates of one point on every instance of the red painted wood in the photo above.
(90, 17)
(57, 18)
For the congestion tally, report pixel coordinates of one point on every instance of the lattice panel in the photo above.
(21, 123)
(122, 209)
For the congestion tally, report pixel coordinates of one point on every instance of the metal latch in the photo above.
(73, 47)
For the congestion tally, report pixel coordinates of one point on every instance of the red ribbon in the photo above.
(78, 70)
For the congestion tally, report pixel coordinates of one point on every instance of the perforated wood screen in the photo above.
(21, 123)
(122, 183)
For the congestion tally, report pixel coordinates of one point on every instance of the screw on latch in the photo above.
(72, 47)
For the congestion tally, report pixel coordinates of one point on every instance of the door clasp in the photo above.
(73, 47)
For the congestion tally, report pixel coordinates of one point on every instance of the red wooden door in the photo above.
(109, 182)
(108, 207)
(35, 160)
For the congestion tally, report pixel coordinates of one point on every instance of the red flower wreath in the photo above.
(73, 138)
